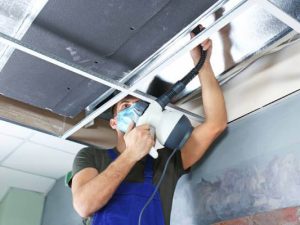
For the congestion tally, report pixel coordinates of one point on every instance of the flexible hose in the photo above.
(180, 85)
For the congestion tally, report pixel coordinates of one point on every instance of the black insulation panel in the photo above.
(110, 37)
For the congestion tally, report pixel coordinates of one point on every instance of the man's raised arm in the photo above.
(214, 109)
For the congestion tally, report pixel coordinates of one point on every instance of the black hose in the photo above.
(180, 85)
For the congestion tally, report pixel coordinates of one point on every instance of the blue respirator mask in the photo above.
(130, 115)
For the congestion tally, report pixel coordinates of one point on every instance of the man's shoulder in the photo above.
(90, 157)
(91, 154)
(91, 151)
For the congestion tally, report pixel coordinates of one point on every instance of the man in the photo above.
(113, 185)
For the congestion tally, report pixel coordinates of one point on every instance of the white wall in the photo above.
(20, 207)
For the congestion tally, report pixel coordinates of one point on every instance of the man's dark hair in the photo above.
(113, 110)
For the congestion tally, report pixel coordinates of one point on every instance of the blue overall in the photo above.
(129, 199)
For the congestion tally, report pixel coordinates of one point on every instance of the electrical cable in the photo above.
(157, 186)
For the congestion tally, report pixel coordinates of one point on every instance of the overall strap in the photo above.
(148, 171)
(113, 155)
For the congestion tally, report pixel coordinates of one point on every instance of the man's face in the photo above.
(121, 105)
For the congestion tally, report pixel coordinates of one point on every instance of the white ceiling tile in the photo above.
(40, 160)
(15, 130)
(56, 142)
(12, 178)
(8, 144)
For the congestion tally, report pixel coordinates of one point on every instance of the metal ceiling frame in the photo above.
(155, 62)
(163, 52)
(279, 14)
(125, 90)
(78, 70)
(159, 60)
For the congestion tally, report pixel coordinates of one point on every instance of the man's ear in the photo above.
(113, 123)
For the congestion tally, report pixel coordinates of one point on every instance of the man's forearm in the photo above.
(215, 119)
(213, 99)
(97, 192)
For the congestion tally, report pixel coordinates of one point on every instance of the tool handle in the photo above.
(153, 152)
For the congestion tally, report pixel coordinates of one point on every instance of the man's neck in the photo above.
(121, 143)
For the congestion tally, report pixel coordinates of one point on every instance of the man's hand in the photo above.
(207, 46)
(138, 141)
